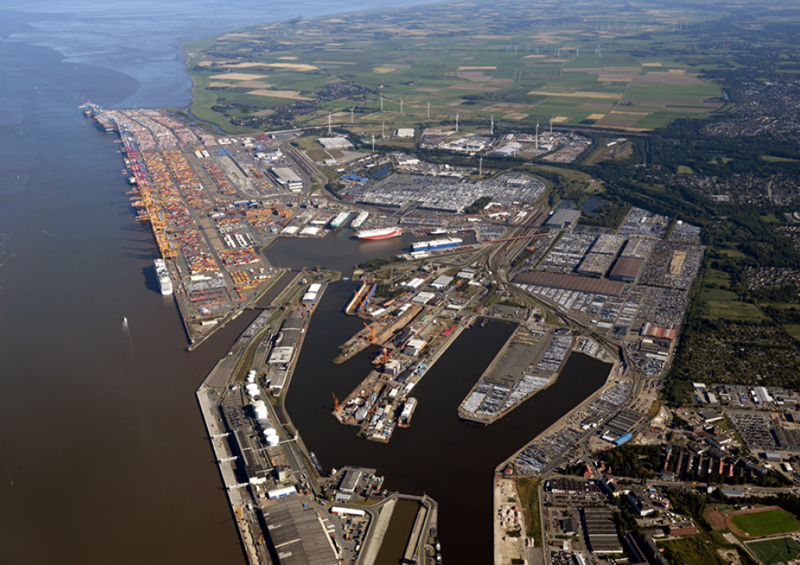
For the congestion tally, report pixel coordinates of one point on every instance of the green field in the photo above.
(506, 59)
(765, 523)
(734, 310)
(776, 550)
(715, 276)
(715, 303)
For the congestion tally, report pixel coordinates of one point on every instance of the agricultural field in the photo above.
(629, 67)
(775, 521)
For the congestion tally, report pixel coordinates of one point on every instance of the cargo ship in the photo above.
(408, 411)
(163, 277)
(382, 233)
(339, 220)
(94, 111)
(359, 221)
(436, 244)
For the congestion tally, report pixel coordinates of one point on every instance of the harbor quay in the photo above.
(286, 510)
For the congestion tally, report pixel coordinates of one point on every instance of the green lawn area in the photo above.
(684, 170)
(721, 303)
(718, 295)
(793, 329)
(776, 550)
(770, 219)
(776, 521)
(733, 310)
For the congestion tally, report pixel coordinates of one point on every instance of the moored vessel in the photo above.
(408, 410)
(436, 244)
(339, 220)
(163, 277)
(381, 233)
(359, 221)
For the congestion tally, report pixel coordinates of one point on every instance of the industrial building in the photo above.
(562, 218)
(441, 282)
(627, 269)
(335, 143)
(287, 178)
(297, 534)
(601, 530)
(570, 282)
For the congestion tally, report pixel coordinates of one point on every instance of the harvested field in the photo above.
(236, 76)
(475, 76)
(289, 94)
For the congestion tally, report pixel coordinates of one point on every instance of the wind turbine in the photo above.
(551, 124)
(351, 114)
(491, 128)
(456, 121)
(401, 106)
(381, 95)
(383, 129)
(329, 123)
(537, 134)
(429, 108)
(373, 142)
(480, 166)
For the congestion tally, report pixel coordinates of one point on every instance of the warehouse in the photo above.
(562, 218)
(627, 269)
(297, 534)
(287, 178)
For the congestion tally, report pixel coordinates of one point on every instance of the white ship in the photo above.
(359, 221)
(380, 233)
(163, 277)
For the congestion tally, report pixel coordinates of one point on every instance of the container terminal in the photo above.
(215, 202)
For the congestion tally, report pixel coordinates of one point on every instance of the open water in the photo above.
(102, 449)
(102, 454)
